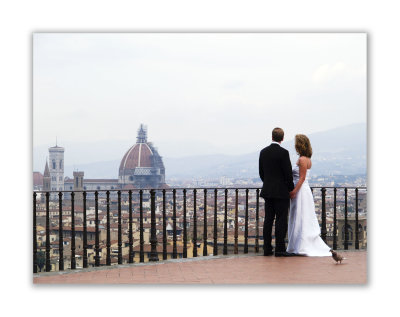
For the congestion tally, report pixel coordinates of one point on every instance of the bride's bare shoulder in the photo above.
(304, 161)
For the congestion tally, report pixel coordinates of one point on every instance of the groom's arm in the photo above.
(287, 170)
(260, 168)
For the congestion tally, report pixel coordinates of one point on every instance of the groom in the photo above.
(276, 173)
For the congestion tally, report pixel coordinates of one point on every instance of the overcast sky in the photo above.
(197, 93)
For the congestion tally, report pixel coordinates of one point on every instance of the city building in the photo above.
(37, 181)
(141, 167)
(56, 160)
(351, 229)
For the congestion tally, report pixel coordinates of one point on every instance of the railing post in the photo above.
(34, 235)
(108, 243)
(119, 229)
(215, 250)
(323, 215)
(96, 220)
(85, 260)
(141, 226)
(194, 224)
(60, 234)
(48, 266)
(184, 225)
(153, 237)
(174, 250)
(246, 223)
(346, 230)
(130, 229)
(356, 244)
(164, 228)
(235, 248)
(257, 219)
(73, 260)
(225, 251)
(334, 220)
(205, 224)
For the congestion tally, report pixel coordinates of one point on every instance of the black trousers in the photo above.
(276, 209)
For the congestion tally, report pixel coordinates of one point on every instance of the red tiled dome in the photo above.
(138, 155)
(141, 165)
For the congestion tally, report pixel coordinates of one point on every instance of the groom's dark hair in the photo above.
(277, 135)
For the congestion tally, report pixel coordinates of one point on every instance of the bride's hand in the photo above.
(292, 194)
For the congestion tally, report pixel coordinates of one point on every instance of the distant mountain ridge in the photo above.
(340, 151)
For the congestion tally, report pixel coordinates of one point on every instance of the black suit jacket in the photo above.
(276, 172)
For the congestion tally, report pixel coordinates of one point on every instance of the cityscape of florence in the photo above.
(176, 180)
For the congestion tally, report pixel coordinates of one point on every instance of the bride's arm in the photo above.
(302, 176)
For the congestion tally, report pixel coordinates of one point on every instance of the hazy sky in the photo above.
(197, 93)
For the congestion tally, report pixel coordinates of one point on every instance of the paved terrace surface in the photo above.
(235, 269)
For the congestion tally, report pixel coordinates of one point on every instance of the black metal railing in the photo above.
(240, 211)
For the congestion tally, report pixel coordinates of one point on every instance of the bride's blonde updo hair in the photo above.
(303, 145)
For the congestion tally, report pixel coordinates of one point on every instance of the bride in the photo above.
(303, 229)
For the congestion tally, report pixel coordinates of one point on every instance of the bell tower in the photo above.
(78, 186)
(56, 167)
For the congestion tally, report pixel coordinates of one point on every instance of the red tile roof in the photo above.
(87, 180)
(129, 186)
(37, 179)
(138, 155)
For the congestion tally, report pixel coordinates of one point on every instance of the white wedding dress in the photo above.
(303, 229)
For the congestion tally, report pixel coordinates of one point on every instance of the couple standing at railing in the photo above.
(287, 189)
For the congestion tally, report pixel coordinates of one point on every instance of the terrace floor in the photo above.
(231, 269)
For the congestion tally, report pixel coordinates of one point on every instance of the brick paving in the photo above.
(241, 269)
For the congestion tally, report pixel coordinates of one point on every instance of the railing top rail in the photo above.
(182, 188)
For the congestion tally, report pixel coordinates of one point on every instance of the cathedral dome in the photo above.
(138, 155)
(141, 165)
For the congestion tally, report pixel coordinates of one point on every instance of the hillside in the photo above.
(341, 151)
